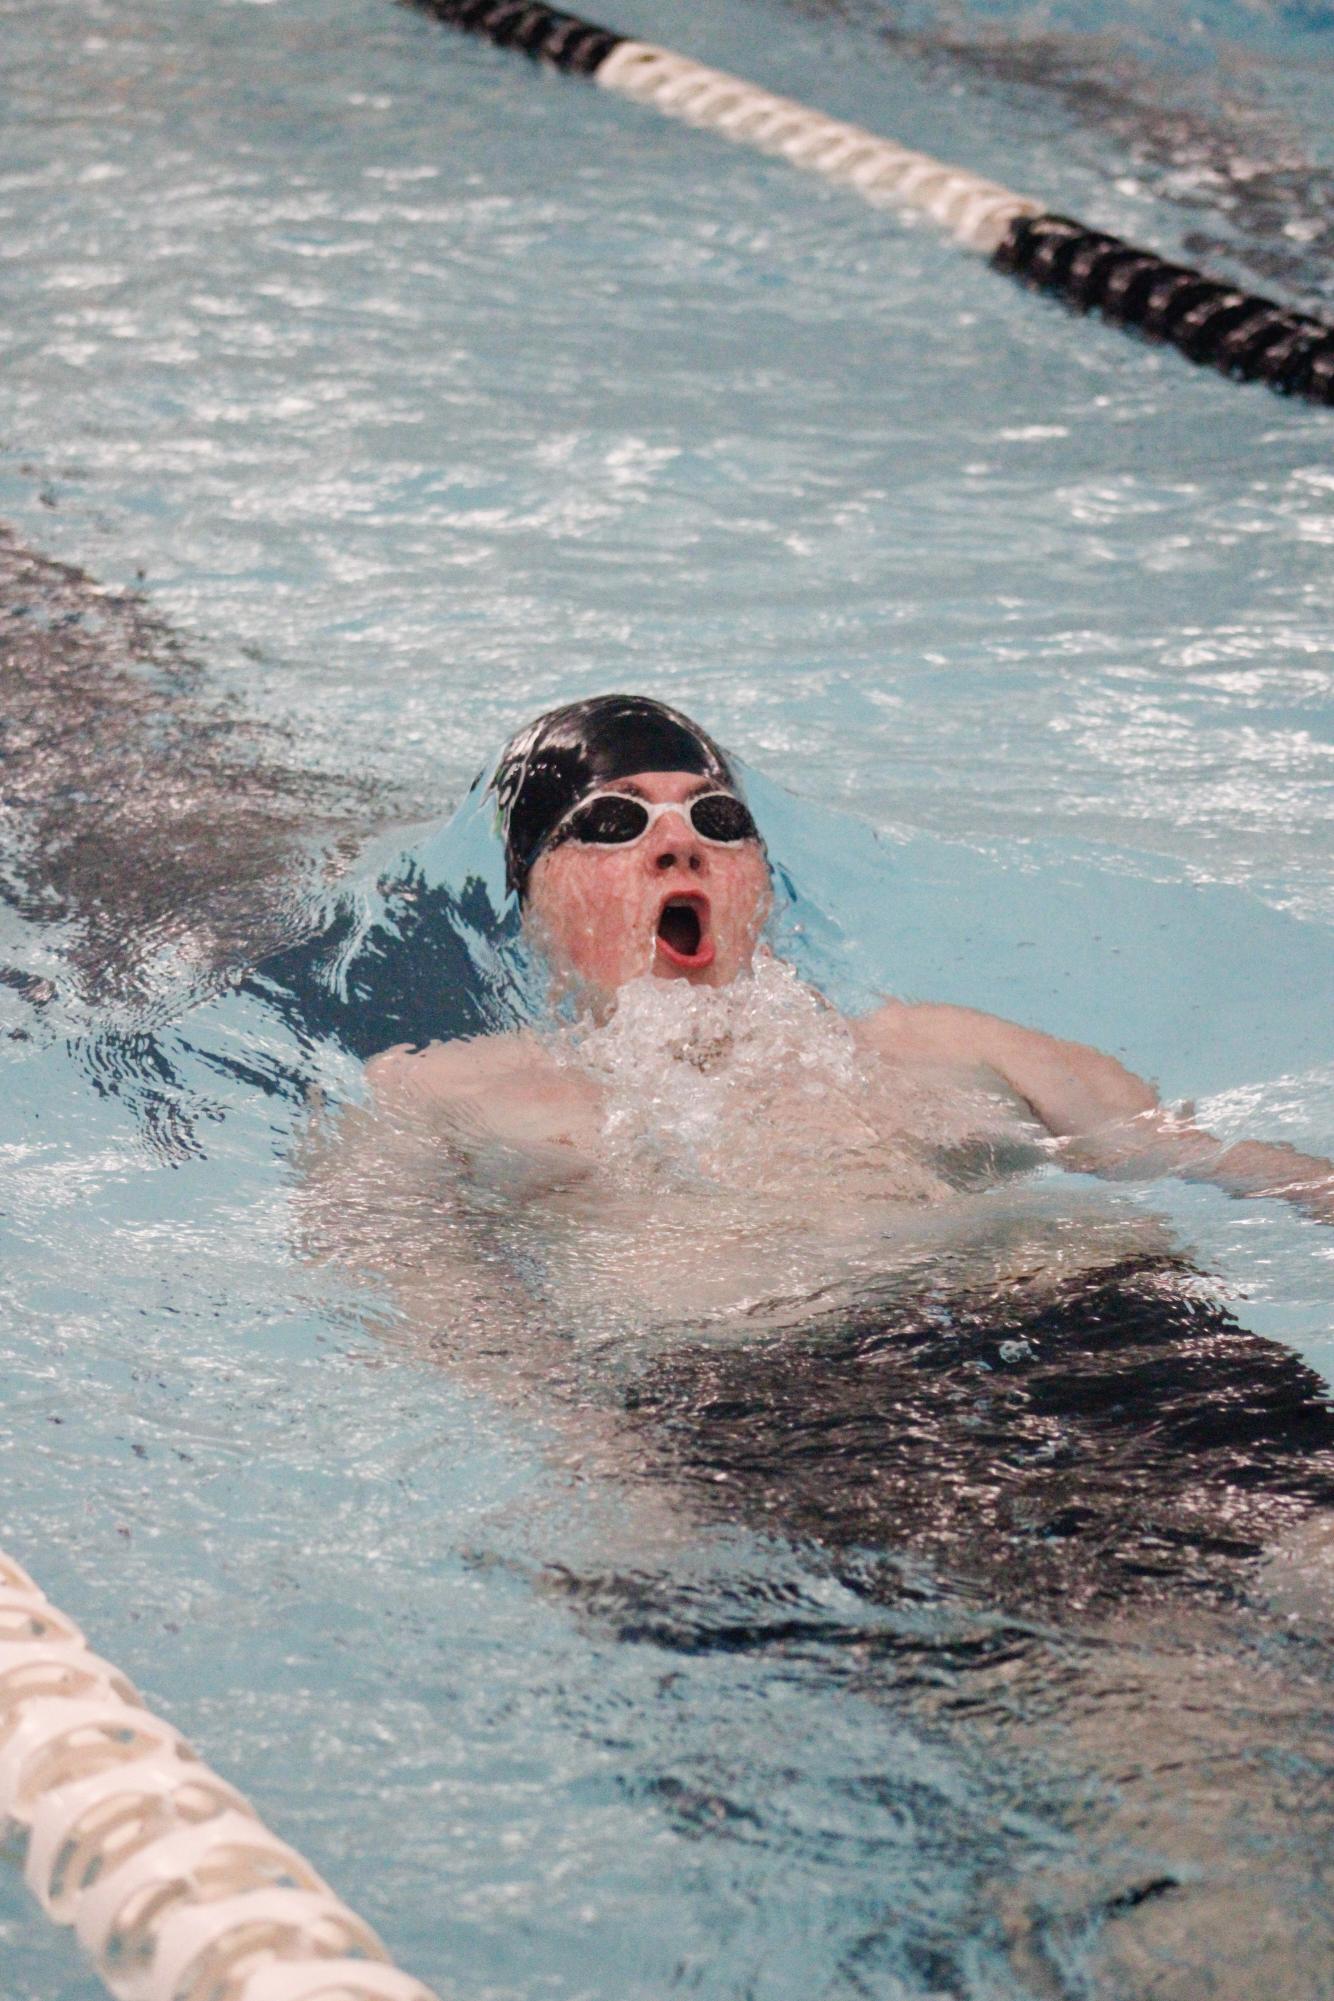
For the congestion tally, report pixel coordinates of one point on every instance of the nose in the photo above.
(675, 844)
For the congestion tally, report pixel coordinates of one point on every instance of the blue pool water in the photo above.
(416, 389)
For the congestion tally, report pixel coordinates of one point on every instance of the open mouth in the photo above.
(682, 934)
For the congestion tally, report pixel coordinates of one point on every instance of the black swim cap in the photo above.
(568, 752)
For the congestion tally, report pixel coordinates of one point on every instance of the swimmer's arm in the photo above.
(1107, 1120)
(376, 1195)
(407, 1078)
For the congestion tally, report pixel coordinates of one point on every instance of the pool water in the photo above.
(415, 389)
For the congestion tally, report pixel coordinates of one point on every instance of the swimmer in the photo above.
(785, 1325)
(634, 856)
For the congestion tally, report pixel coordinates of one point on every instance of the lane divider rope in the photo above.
(1245, 336)
(173, 1885)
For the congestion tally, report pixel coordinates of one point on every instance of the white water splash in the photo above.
(762, 1088)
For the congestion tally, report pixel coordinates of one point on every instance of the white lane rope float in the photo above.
(176, 1889)
(1245, 336)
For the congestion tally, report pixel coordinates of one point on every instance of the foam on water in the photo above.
(761, 1086)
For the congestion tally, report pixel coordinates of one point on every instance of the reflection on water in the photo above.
(1117, 1439)
(158, 837)
(158, 826)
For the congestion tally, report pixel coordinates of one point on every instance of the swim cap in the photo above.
(568, 752)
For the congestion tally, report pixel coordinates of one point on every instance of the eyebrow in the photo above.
(633, 791)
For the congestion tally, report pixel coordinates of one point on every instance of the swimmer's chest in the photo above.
(550, 1123)
(541, 1110)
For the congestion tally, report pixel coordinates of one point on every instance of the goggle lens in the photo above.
(608, 820)
(720, 817)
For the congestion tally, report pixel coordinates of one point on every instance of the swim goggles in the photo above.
(618, 820)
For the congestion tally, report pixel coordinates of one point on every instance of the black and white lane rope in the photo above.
(1245, 336)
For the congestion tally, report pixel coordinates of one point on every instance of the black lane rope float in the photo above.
(1245, 336)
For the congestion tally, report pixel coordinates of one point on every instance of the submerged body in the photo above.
(712, 1154)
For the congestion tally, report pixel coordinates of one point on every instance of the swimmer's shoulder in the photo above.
(475, 1066)
(933, 1032)
(1071, 1087)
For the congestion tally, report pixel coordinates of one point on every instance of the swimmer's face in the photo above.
(670, 904)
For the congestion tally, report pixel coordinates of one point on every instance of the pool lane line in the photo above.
(1245, 336)
(173, 1884)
